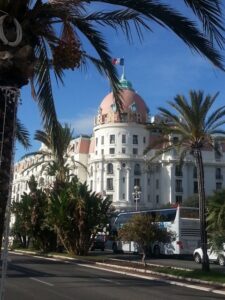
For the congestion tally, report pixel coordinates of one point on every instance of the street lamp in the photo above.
(136, 194)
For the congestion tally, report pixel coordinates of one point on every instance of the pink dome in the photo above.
(131, 102)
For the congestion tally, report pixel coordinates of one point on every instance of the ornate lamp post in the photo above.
(136, 195)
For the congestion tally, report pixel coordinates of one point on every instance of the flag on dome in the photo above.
(118, 61)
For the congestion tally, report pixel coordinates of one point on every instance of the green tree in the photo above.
(145, 231)
(22, 226)
(197, 127)
(31, 219)
(216, 218)
(38, 35)
(77, 215)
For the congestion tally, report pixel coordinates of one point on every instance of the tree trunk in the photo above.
(202, 209)
(8, 110)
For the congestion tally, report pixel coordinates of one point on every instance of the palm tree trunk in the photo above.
(202, 209)
(8, 110)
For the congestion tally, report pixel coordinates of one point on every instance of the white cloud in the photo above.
(83, 123)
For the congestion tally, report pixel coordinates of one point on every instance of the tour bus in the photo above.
(182, 221)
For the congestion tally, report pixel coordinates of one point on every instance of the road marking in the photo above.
(110, 280)
(41, 281)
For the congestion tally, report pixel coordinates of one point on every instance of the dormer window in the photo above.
(133, 107)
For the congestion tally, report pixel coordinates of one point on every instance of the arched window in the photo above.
(91, 171)
(110, 168)
(137, 169)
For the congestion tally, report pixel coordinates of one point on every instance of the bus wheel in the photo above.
(197, 258)
(156, 251)
(221, 260)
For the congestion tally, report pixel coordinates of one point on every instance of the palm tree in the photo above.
(31, 44)
(216, 218)
(197, 128)
(53, 157)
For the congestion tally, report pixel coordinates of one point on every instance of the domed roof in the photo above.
(131, 101)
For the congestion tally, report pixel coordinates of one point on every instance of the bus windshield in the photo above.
(162, 215)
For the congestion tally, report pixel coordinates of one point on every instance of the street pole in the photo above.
(136, 195)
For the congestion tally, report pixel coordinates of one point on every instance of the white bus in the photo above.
(182, 221)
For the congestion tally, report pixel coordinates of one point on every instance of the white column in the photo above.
(118, 183)
(128, 185)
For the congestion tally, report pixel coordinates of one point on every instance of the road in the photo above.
(37, 278)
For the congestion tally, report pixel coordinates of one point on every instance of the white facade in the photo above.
(115, 162)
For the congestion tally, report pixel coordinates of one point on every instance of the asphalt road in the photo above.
(41, 279)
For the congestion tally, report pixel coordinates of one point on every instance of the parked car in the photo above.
(217, 256)
(99, 243)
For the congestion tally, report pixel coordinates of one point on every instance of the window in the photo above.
(218, 185)
(111, 150)
(135, 139)
(137, 182)
(178, 199)
(178, 171)
(110, 184)
(124, 150)
(144, 140)
(123, 196)
(218, 173)
(175, 140)
(195, 187)
(135, 151)
(96, 152)
(195, 172)
(102, 140)
(123, 179)
(91, 171)
(123, 165)
(112, 139)
(123, 138)
(178, 186)
(102, 151)
(96, 141)
(157, 183)
(157, 199)
(91, 185)
(110, 168)
(137, 169)
(148, 181)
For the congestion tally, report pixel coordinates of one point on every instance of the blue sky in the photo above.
(159, 68)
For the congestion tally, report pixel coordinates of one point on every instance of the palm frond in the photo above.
(44, 93)
(210, 14)
(22, 135)
(97, 41)
(168, 17)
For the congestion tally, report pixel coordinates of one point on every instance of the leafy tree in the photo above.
(22, 227)
(77, 215)
(197, 128)
(31, 44)
(145, 231)
(31, 215)
(216, 218)
(192, 201)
